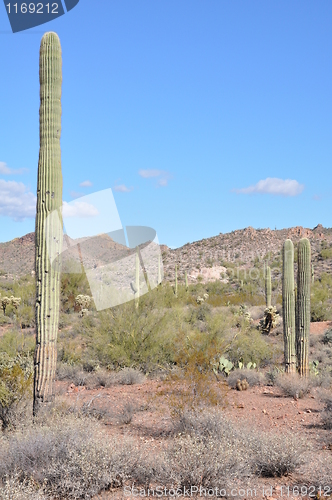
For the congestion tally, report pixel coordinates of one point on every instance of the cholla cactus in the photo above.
(83, 302)
(15, 301)
(243, 313)
(5, 301)
(270, 320)
(200, 299)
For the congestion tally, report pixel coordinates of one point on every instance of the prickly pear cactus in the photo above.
(48, 237)
(288, 307)
(303, 306)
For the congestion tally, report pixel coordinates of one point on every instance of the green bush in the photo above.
(15, 387)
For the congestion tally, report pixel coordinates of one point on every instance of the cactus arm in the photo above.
(49, 198)
(303, 306)
(288, 306)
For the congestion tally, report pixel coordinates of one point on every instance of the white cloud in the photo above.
(79, 209)
(16, 201)
(86, 184)
(164, 176)
(151, 173)
(275, 186)
(5, 170)
(122, 188)
(75, 194)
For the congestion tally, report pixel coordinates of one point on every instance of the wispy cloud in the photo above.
(275, 186)
(86, 184)
(122, 188)
(79, 209)
(75, 194)
(316, 197)
(163, 174)
(5, 170)
(16, 201)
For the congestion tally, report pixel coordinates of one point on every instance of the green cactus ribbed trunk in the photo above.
(303, 306)
(48, 237)
(137, 278)
(268, 286)
(288, 307)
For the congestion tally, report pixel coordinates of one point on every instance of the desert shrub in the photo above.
(72, 373)
(257, 312)
(129, 376)
(326, 397)
(15, 489)
(276, 455)
(321, 298)
(272, 375)
(72, 458)
(293, 385)
(15, 388)
(253, 377)
(250, 346)
(211, 451)
(317, 473)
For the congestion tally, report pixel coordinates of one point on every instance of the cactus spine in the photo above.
(268, 286)
(49, 198)
(303, 306)
(176, 281)
(137, 279)
(186, 280)
(288, 306)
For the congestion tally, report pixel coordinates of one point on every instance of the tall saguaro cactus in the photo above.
(303, 306)
(268, 286)
(48, 235)
(288, 306)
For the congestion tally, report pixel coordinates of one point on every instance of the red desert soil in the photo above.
(263, 408)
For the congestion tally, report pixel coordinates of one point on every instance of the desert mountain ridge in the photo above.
(241, 246)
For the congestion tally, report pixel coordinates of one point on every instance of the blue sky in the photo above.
(203, 116)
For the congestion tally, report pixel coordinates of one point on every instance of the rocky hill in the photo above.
(207, 257)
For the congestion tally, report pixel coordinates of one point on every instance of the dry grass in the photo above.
(293, 385)
(70, 457)
(253, 377)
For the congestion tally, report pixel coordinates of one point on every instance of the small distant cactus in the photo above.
(5, 301)
(15, 301)
(223, 366)
(200, 299)
(270, 320)
(83, 302)
(242, 385)
(312, 274)
(243, 313)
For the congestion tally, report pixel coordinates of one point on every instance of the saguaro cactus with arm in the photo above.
(48, 236)
(288, 306)
(303, 306)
